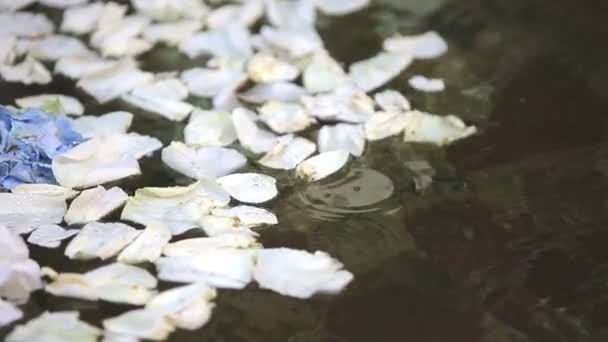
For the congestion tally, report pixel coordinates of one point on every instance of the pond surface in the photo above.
(507, 244)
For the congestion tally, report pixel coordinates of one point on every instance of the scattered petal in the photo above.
(278, 91)
(82, 19)
(217, 225)
(67, 104)
(148, 246)
(300, 274)
(250, 187)
(25, 24)
(77, 67)
(392, 101)
(50, 235)
(188, 307)
(45, 189)
(247, 215)
(52, 48)
(341, 7)
(425, 84)
(100, 240)
(179, 208)
(107, 124)
(30, 71)
(213, 82)
(202, 246)
(9, 313)
(55, 326)
(62, 3)
(7, 49)
(423, 46)
(346, 137)
(284, 117)
(19, 275)
(322, 165)
(171, 33)
(141, 323)
(288, 152)
(95, 204)
(120, 38)
(377, 71)
(14, 5)
(434, 129)
(246, 14)
(249, 134)
(385, 124)
(290, 14)
(163, 97)
(202, 162)
(323, 74)
(23, 212)
(170, 10)
(296, 42)
(264, 68)
(209, 128)
(344, 104)
(232, 41)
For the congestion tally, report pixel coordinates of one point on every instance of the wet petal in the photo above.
(246, 14)
(19, 275)
(100, 240)
(344, 104)
(202, 162)
(107, 124)
(68, 104)
(82, 19)
(77, 67)
(25, 24)
(14, 5)
(247, 215)
(341, 7)
(95, 204)
(385, 124)
(30, 71)
(264, 68)
(148, 246)
(278, 91)
(434, 129)
(121, 37)
(232, 41)
(377, 71)
(250, 187)
(45, 189)
(7, 49)
(295, 42)
(323, 74)
(179, 208)
(213, 82)
(163, 97)
(209, 128)
(188, 307)
(9, 313)
(322, 165)
(425, 84)
(52, 47)
(222, 268)
(24, 212)
(109, 84)
(50, 235)
(171, 33)
(141, 323)
(202, 246)
(284, 117)
(423, 46)
(392, 101)
(342, 137)
(249, 134)
(65, 325)
(290, 14)
(169, 10)
(214, 225)
(299, 273)
(62, 3)
(288, 152)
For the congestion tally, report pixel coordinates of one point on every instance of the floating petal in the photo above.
(45, 189)
(202, 246)
(163, 97)
(202, 162)
(392, 101)
(247, 215)
(425, 84)
(284, 117)
(342, 137)
(55, 326)
(296, 42)
(148, 246)
(23, 212)
(19, 275)
(250, 187)
(50, 235)
(209, 128)
(95, 204)
(25, 24)
(322, 165)
(434, 129)
(212, 82)
(53, 47)
(299, 273)
(171, 33)
(67, 104)
(232, 41)
(278, 91)
(288, 152)
(121, 37)
(100, 240)
(170, 10)
(9, 313)
(264, 68)
(82, 19)
(141, 323)
(188, 307)
(246, 14)
(77, 67)
(423, 46)
(378, 70)
(7, 49)
(344, 104)
(107, 124)
(109, 84)
(30, 71)
(385, 124)
(341, 7)
(249, 134)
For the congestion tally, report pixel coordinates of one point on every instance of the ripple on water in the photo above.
(360, 190)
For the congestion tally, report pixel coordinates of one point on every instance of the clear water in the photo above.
(509, 242)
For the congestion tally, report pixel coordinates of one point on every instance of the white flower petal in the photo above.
(246, 14)
(250, 187)
(425, 84)
(247, 215)
(23, 212)
(322, 165)
(209, 128)
(121, 38)
(68, 105)
(107, 124)
(109, 84)
(222, 268)
(14, 5)
(299, 273)
(170, 10)
(95, 204)
(385, 124)
(290, 14)
(188, 307)
(103, 159)
(141, 323)
(18, 275)
(25, 24)
(434, 129)
(344, 104)
(7, 49)
(217, 225)
(341, 7)
(9, 313)
(71, 285)
(45, 189)
(278, 91)
(81, 19)
(323, 74)
(264, 68)
(120, 274)
(284, 117)
(288, 152)
(55, 326)
(202, 246)
(423, 46)
(211, 82)
(392, 101)
(53, 47)
(163, 97)
(30, 71)
(232, 41)
(100, 240)
(249, 134)
(202, 162)
(171, 33)
(375, 72)
(50, 235)
(295, 42)
(62, 3)
(76, 67)
(148, 246)
(179, 208)
(342, 137)
(111, 337)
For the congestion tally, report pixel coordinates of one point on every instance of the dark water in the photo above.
(508, 244)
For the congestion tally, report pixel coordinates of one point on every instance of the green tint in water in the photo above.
(508, 243)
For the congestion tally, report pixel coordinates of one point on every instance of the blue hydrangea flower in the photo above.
(28, 143)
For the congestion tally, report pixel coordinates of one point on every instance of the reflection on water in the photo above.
(508, 242)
